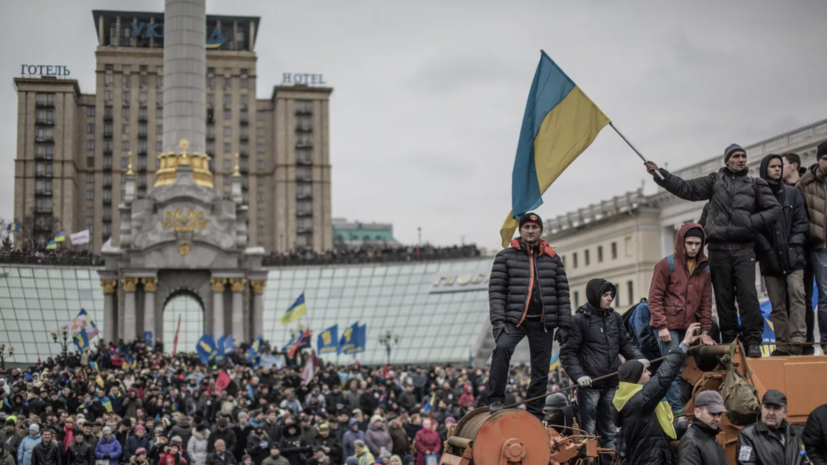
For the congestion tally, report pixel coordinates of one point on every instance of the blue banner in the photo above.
(360, 339)
(328, 340)
(348, 339)
(206, 348)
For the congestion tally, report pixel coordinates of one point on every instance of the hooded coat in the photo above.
(811, 186)
(377, 438)
(293, 446)
(110, 447)
(780, 247)
(197, 447)
(739, 206)
(183, 429)
(24, 451)
(677, 298)
(596, 339)
(133, 444)
(519, 273)
(426, 440)
(350, 436)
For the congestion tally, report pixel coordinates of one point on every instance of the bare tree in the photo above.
(26, 238)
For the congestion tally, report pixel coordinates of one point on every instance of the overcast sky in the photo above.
(429, 95)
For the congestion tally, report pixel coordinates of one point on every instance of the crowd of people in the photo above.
(63, 257)
(127, 404)
(370, 254)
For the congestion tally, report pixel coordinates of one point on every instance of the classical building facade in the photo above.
(623, 238)
(74, 148)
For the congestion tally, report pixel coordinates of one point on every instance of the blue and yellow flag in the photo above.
(51, 245)
(559, 123)
(555, 362)
(254, 354)
(429, 404)
(61, 236)
(348, 339)
(206, 348)
(13, 228)
(296, 311)
(94, 365)
(359, 339)
(328, 340)
(81, 341)
(107, 404)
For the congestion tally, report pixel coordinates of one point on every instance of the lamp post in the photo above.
(3, 355)
(61, 338)
(388, 339)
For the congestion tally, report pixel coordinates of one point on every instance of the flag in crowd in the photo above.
(148, 338)
(13, 228)
(559, 123)
(295, 312)
(222, 381)
(254, 355)
(94, 365)
(79, 238)
(310, 368)
(61, 236)
(81, 340)
(304, 339)
(51, 245)
(206, 348)
(82, 322)
(359, 339)
(348, 338)
(327, 341)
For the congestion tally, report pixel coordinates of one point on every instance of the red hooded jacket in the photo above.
(677, 299)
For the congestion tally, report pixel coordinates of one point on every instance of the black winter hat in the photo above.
(630, 371)
(694, 232)
(822, 149)
(531, 217)
(732, 149)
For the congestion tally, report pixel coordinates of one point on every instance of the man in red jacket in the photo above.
(681, 294)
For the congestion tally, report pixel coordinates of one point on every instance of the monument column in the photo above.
(129, 319)
(150, 286)
(218, 285)
(238, 309)
(110, 287)
(258, 306)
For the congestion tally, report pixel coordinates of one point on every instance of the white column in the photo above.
(258, 306)
(150, 286)
(217, 285)
(130, 319)
(238, 309)
(110, 287)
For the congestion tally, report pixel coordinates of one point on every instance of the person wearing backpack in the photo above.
(596, 340)
(681, 294)
(739, 207)
(780, 251)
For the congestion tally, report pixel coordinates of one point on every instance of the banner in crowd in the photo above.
(206, 348)
(79, 238)
(270, 361)
(359, 339)
(295, 312)
(82, 322)
(769, 330)
(148, 339)
(303, 341)
(81, 340)
(328, 340)
(254, 354)
(348, 338)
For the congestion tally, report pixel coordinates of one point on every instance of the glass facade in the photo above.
(439, 309)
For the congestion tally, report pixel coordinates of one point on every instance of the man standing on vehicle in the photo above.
(681, 294)
(528, 296)
(739, 207)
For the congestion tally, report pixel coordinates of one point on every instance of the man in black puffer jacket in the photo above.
(596, 339)
(645, 418)
(699, 445)
(739, 207)
(780, 250)
(528, 295)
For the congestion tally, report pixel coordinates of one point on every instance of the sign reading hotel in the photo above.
(303, 79)
(460, 282)
(44, 70)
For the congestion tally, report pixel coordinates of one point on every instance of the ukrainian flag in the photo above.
(94, 365)
(81, 341)
(555, 362)
(559, 123)
(13, 228)
(61, 236)
(51, 245)
(295, 312)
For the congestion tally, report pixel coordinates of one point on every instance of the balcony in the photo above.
(107, 150)
(107, 183)
(43, 226)
(304, 196)
(305, 229)
(303, 178)
(107, 201)
(142, 184)
(45, 103)
(244, 120)
(304, 128)
(142, 134)
(43, 209)
(45, 121)
(43, 192)
(302, 110)
(210, 135)
(142, 117)
(107, 134)
(107, 117)
(304, 213)
(43, 156)
(142, 151)
(304, 145)
(304, 162)
(107, 217)
(244, 137)
(43, 174)
(44, 138)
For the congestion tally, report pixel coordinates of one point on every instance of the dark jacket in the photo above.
(594, 353)
(760, 445)
(10, 440)
(133, 444)
(48, 454)
(258, 448)
(518, 274)
(676, 298)
(183, 429)
(646, 443)
(699, 446)
(815, 435)
(780, 247)
(215, 459)
(229, 437)
(294, 448)
(80, 454)
(812, 188)
(8, 459)
(739, 206)
(401, 441)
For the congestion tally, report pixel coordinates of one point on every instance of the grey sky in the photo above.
(429, 95)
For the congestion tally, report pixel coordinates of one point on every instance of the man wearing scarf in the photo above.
(645, 418)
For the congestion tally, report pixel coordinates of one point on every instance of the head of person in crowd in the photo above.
(274, 450)
(34, 430)
(360, 447)
(220, 446)
(357, 414)
(395, 460)
(773, 409)
(246, 460)
(324, 430)
(792, 168)
(140, 455)
(427, 424)
(377, 422)
(46, 437)
(78, 438)
(634, 372)
(531, 228)
(709, 408)
(821, 156)
(107, 432)
(10, 424)
(600, 293)
(735, 158)
(693, 242)
(555, 403)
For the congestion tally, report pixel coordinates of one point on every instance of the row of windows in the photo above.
(126, 96)
(587, 256)
(126, 79)
(629, 294)
(126, 111)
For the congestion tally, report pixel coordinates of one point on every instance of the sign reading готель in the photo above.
(306, 79)
(44, 70)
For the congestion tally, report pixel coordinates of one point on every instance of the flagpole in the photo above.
(633, 148)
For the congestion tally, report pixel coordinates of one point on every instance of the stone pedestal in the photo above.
(150, 286)
(218, 285)
(110, 288)
(129, 319)
(238, 309)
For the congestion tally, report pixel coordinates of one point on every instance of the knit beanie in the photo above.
(630, 371)
(694, 232)
(822, 149)
(531, 217)
(732, 149)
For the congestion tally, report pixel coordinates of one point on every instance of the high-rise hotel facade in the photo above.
(74, 148)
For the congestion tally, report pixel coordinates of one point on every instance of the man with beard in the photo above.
(698, 445)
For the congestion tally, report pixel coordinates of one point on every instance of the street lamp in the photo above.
(388, 339)
(3, 355)
(64, 340)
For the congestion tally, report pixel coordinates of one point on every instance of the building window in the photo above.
(143, 96)
(211, 99)
(142, 114)
(260, 181)
(142, 130)
(159, 129)
(260, 116)
(226, 147)
(227, 131)
(574, 259)
(228, 99)
(243, 99)
(260, 230)
(90, 194)
(586, 257)
(260, 132)
(227, 115)
(126, 96)
(159, 145)
(90, 144)
(227, 82)
(143, 79)
(614, 250)
(44, 151)
(124, 162)
(576, 299)
(90, 111)
(210, 82)
(125, 145)
(599, 254)
(125, 128)
(90, 178)
(228, 164)
(107, 95)
(244, 83)
(160, 80)
(260, 164)
(125, 80)
(90, 211)
(159, 113)
(630, 289)
(125, 112)
(45, 134)
(108, 78)
(90, 162)
(159, 97)
(260, 214)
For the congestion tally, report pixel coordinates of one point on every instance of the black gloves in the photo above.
(498, 328)
(562, 335)
(106, 456)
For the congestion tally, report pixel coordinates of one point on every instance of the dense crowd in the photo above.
(50, 257)
(144, 407)
(370, 254)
